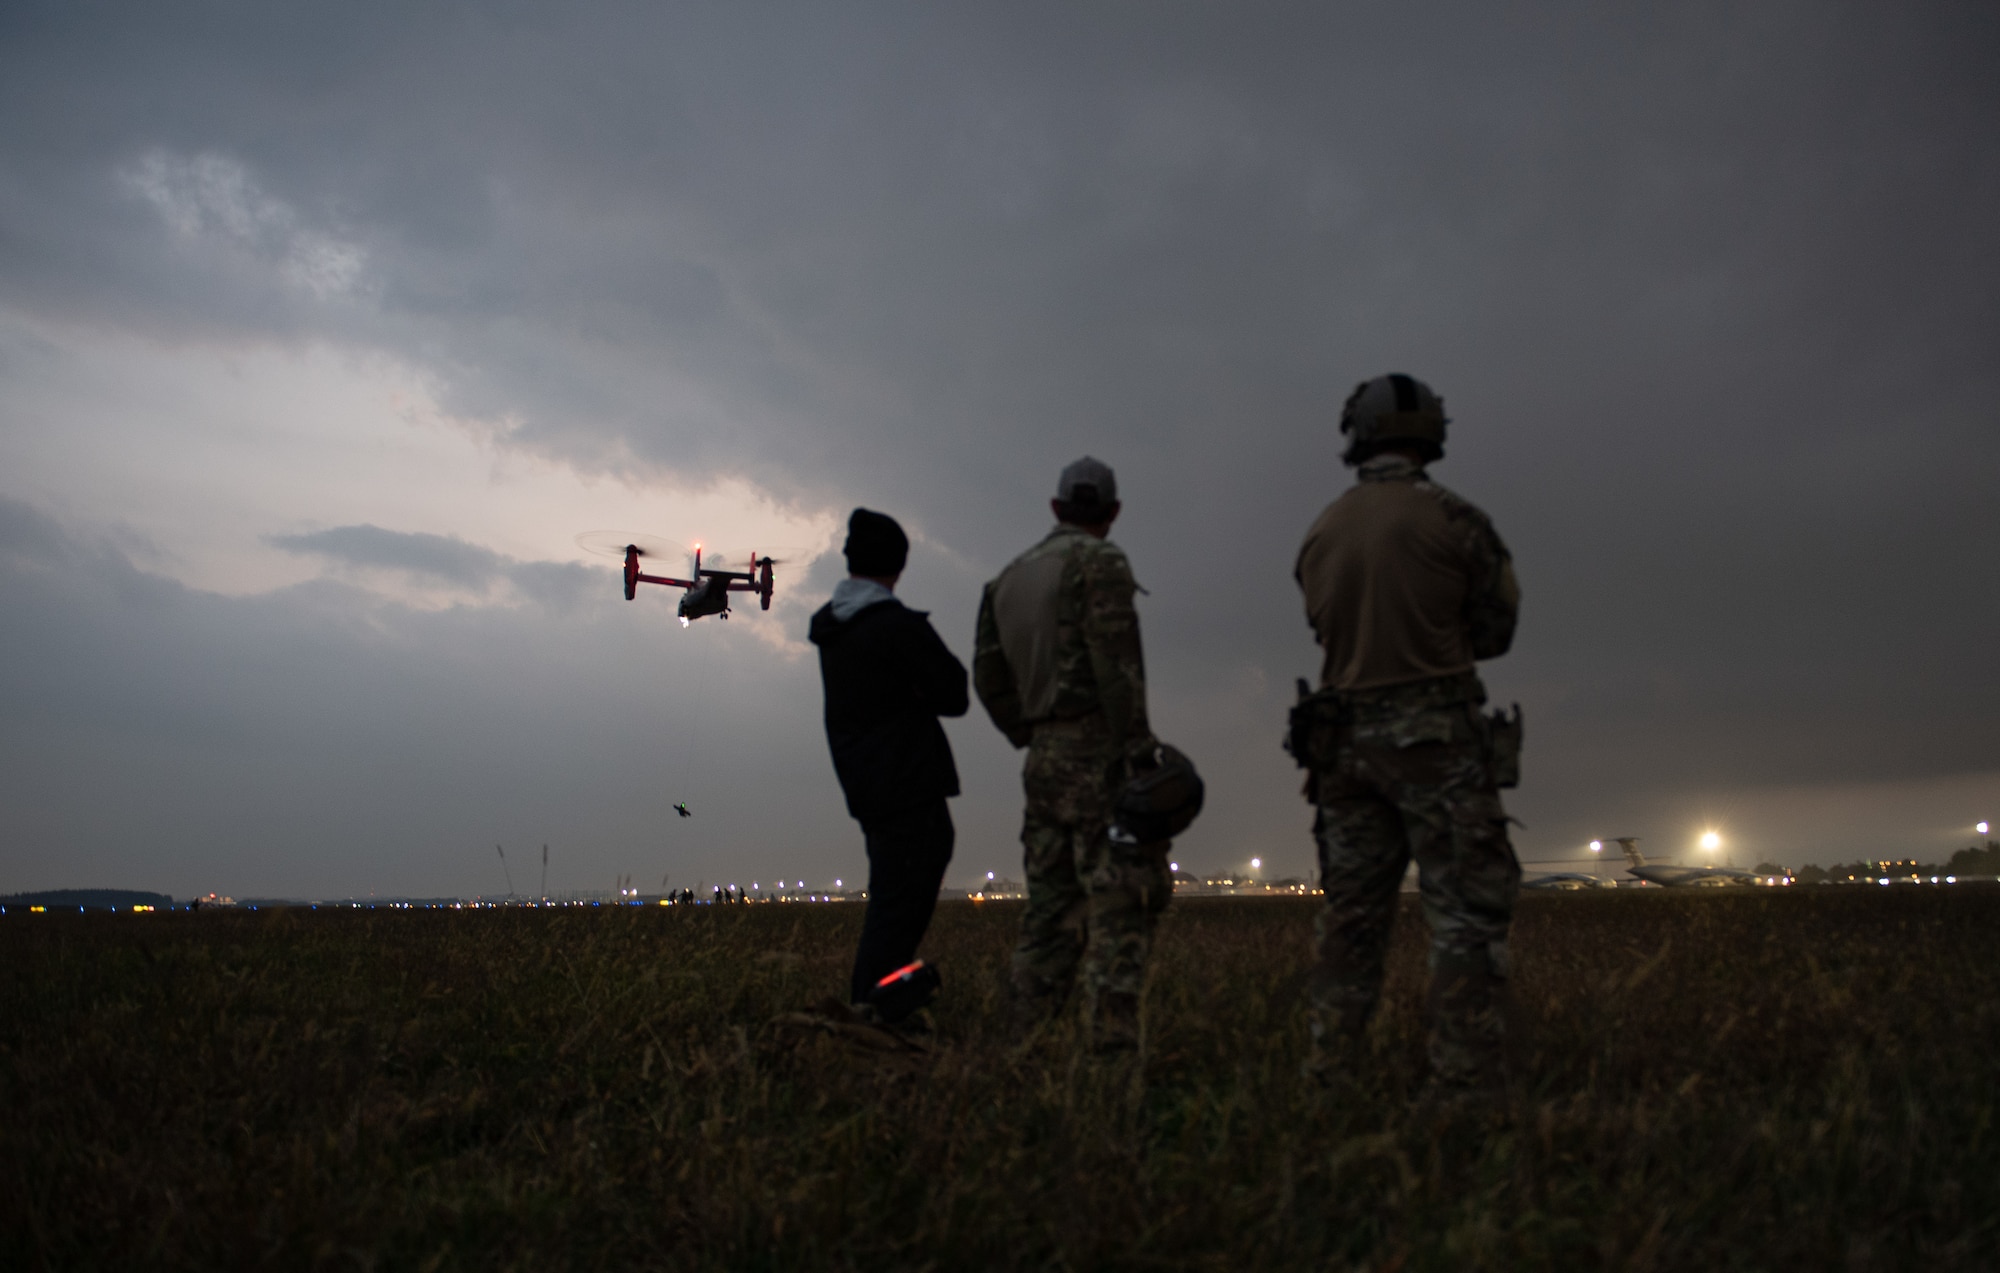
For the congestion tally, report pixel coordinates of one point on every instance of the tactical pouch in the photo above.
(1311, 729)
(1503, 747)
(1298, 727)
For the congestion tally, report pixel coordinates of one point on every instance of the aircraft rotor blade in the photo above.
(788, 555)
(612, 543)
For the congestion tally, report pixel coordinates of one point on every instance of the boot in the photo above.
(1338, 1039)
(1114, 1023)
(1467, 1028)
(1031, 1004)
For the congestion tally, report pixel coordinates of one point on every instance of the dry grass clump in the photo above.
(1754, 1079)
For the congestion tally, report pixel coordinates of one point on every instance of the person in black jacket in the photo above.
(888, 677)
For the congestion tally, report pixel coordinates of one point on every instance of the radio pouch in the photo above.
(1298, 727)
(1503, 747)
(1311, 731)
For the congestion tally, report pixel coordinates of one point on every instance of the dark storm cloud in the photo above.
(440, 556)
(1712, 293)
(445, 559)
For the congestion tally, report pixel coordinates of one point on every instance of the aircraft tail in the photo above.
(1630, 843)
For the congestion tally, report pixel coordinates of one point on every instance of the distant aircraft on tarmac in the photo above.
(1671, 876)
(1562, 880)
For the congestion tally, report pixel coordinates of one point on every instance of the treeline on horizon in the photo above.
(1973, 860)
(91, 898)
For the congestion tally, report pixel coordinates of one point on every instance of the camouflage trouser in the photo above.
(1090, 900)
(1408, 778)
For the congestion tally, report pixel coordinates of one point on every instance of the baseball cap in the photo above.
(1088, 482)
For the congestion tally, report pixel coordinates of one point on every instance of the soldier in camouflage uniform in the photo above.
(1057, 663)
(1406, 586)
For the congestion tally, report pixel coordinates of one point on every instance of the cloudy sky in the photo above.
(325, 329)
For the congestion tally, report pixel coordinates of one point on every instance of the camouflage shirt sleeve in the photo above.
(1111, 634)
(1493, 601)
(993, 679)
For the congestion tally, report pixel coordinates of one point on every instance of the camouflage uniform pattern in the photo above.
(1409, 778)
(1406, 771)
(1092, 903)
(1096, 663)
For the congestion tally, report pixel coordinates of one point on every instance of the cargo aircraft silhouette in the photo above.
(1671, 876)
(1562, 880)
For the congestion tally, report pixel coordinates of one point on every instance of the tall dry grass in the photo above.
(1754, 1079)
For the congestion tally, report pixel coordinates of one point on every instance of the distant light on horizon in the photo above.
(1711, 841)
(1256, 864)
(1597, 846)
(1979, 827)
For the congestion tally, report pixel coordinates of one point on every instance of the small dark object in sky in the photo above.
(681, 808)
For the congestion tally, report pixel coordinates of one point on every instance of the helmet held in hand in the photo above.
(1160, 801)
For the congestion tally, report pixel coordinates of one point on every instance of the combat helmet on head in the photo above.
(1392, 411)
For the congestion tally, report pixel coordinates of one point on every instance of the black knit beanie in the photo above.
(876, 545)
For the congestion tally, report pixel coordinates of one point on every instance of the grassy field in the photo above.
(1719, 1079)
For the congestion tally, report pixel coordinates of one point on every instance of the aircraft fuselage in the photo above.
(710, 596)
(1691, 876)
